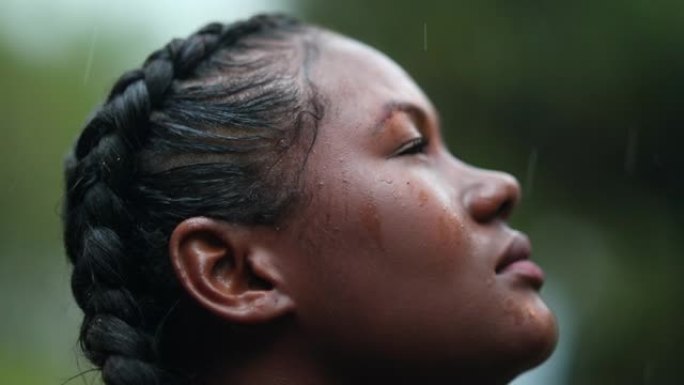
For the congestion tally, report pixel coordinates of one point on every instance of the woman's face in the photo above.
(403, 255)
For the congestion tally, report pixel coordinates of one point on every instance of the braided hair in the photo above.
(201, 129)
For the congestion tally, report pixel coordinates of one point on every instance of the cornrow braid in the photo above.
(198, 130)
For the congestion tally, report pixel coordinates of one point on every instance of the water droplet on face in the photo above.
(422, 198)
(370, 220)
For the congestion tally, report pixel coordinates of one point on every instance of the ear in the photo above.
(229, 270)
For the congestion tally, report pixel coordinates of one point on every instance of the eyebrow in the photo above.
(389, 109)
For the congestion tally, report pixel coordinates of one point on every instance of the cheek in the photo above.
(424, 229)
(426, 216)
(394, 268)
(408, 225)
(390, 259)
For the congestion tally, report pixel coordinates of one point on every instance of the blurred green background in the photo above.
(581, 100)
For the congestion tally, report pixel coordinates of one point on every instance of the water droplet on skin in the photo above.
(370, 220)
(422, 198)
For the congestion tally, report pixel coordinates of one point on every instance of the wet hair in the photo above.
(217, 125)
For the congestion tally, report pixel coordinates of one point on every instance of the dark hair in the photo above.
(204, 128)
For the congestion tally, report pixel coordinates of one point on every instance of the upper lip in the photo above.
(518, 248)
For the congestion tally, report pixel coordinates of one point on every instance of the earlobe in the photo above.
(228, 271)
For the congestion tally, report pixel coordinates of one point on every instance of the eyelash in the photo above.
(413, 146)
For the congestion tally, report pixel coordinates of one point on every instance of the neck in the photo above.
(287, 363)
(283, 361)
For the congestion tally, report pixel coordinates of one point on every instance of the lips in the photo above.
(515, 261)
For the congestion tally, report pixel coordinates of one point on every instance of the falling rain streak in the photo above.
(631, 150)
(91, 54)
(424, 36)
(531, 168)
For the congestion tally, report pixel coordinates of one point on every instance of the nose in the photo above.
(492, 196)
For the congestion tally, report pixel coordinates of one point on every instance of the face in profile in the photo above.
(399, 263)
(403, 256)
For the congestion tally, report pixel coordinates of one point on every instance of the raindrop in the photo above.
(91, 54)
(531, 168)
(424, 36)
(631, 150)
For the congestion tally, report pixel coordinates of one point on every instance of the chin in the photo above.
(519, 348)
(538, 341)
(536, 348)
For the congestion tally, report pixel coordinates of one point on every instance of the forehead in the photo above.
(358, 82)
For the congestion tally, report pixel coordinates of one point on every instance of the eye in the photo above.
(412, 147)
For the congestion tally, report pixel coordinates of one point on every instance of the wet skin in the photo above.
(401, 242)
(399, 267)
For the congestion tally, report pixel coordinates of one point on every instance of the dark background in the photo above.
(581, 100)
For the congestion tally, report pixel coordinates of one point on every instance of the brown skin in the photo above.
(388, 273)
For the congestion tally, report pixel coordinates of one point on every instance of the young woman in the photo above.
(269, 202)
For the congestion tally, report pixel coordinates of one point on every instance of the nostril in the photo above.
(505, 209)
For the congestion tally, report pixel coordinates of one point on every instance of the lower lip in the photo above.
(527, 270)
